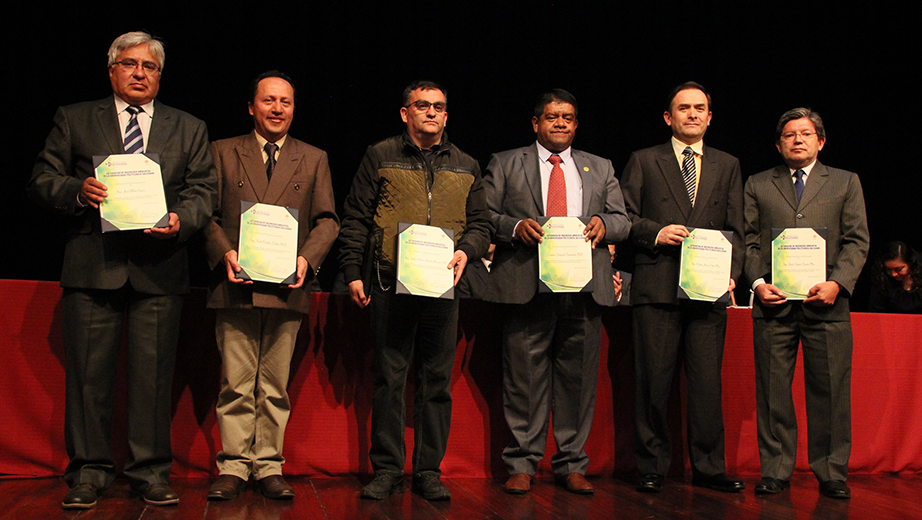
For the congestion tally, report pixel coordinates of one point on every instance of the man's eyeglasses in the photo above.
(129, 65)
(803, 135)
(423, 106)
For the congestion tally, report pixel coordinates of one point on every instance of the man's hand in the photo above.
(671, 235)
(769, 295)
(357, 292)
(92, 192)
(595, 230)
(233, 267)
(165, 232)
(458, 262)
(529, 232)
(302, 272)
(618, 285)
(824, 293)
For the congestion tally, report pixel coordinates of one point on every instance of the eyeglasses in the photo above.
(423, 106)
(130, 65)
(803, 135)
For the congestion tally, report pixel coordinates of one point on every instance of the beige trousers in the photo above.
(253, 407)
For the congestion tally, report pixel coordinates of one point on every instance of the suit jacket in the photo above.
(832, 199)
(655, 196)
(301, 179)
(514, 192)
(93, 260)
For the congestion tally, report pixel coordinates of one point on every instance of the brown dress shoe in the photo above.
(227, 487)
(518, 484)
(576, 483)
(275, 487)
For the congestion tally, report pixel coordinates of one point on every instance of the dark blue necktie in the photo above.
(799, 184)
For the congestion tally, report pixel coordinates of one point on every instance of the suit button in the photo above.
(800, 215)
(239, 184)
(297, 187)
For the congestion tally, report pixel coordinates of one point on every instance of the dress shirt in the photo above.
(262, 146)
(807, 169)
(144, 119)
(570, 174)
(679, 147)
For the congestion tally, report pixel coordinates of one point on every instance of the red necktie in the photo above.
(556, 190)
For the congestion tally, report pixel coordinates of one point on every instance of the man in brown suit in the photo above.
(257, 323)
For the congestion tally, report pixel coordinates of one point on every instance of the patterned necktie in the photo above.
(799, 184)
(134, 141)
(688, 172)
(556, 190)
(270, 149)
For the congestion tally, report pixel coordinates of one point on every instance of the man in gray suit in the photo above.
(106, 275)
(804, 193)
(551, 341)
(668, 189)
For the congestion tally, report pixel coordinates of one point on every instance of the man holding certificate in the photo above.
(417, 181)
(671, 190)
(552, 325)
(108, 274)
(829, 203)
(275, 203)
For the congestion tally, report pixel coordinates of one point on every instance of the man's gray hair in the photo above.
(133, 39)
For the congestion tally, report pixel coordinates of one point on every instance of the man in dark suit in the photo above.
(257, 323)
(106, 275)
(550, 340)
(668, 189)
(804, 193)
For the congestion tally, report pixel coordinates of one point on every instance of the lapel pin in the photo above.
(585, 168)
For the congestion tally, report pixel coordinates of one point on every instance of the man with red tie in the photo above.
(550, 341)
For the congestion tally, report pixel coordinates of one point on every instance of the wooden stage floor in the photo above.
(875, 497)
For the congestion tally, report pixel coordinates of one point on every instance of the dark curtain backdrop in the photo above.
(350, 61)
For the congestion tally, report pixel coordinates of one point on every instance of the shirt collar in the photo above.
(121, 105)
(679, 147)
(262, 141)
(807, 169)
(544, 153)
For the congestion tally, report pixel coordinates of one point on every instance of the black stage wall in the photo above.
(850, 61)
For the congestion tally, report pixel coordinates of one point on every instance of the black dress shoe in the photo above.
(227, 487)
(650, 483)
(835, 489)
(720, 482)
(160, 495)
(81, 496)
(275, 487)
(771, 486)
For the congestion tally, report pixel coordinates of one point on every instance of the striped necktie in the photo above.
(134, 141)
(688, 172)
